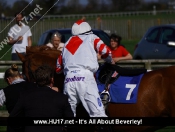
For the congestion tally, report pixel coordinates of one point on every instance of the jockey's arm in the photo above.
(103, 50)
(59, 65)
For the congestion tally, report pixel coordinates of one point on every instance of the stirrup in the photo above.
(105, 97)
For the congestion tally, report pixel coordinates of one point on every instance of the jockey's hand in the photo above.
(113, 62)
(98, 56)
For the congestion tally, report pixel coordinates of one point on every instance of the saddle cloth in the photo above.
(122, 90)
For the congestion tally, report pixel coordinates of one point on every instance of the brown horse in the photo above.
(155, 95)
(37, 56)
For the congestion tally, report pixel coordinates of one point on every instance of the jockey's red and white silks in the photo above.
(79, 53)
(79, 58)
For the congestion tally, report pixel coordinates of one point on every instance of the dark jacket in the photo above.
(12, 93)
(42, 102)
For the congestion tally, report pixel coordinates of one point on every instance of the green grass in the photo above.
(5, 54)
(126, 17)
(3, 128)
(130, 45)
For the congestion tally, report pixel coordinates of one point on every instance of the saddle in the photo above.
(107, 70)
(108, 74)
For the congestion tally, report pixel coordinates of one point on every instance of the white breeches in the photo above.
(81, 86)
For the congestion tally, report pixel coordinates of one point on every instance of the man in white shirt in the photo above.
(19, 36)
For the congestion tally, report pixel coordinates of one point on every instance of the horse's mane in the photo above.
(45, 50)
(36, 56)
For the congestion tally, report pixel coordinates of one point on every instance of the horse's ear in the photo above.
(27, 49)
(21, 56)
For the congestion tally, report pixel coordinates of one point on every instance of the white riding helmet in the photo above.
(80, 27)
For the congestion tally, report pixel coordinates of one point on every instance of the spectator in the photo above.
(83, 18)
(56, 42)
(3, 16)
(43, 101)
(99, 23)
(118, 51)
(19, 36)
(79, 60)
(10, 94)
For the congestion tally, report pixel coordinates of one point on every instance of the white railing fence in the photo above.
(148, 64)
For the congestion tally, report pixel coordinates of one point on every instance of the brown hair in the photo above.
(11, 72)
(43, 75)
(116, 38)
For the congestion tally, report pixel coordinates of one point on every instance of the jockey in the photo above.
(79, 59)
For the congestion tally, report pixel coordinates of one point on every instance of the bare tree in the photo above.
(3, 6)
(124, 5)
(74, 6)
(49, 6)
(92, 6)
(21, 5)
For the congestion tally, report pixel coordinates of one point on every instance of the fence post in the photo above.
(158, 21)
(148, 65)
(99, 23)
(129, 29)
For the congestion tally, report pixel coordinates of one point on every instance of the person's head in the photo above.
(83, 18)
(11, 74)
(44, 75)
(56, 39)
(18, 17)
(98, 18)
(115, 41)
(80, 27)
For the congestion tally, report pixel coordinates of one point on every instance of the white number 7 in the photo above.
(131, 86)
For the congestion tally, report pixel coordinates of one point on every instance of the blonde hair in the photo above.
(12, 72)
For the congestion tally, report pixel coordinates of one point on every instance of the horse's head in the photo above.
(37, 56)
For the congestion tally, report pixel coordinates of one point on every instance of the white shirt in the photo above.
(2, 95)
(17, 31)
(60, 46)
(79, 52)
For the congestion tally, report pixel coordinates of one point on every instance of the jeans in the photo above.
(15, 56)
